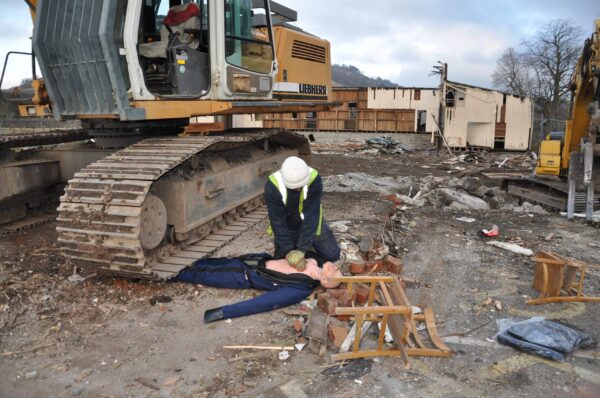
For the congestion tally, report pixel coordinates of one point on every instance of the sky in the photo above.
(399, 40)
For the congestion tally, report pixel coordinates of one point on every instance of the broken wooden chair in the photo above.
(555, 274)
(395, 313)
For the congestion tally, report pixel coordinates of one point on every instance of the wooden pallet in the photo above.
(396, 314)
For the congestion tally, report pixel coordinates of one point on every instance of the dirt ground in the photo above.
(112, 337)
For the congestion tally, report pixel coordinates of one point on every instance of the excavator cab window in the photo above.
(173, 47)
(248, 37)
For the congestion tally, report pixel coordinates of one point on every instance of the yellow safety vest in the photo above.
(277, 180)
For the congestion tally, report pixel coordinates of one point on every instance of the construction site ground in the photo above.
(113, 337)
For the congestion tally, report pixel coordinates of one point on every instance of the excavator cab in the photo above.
(176, 60)
(175, 47)
(137, 51)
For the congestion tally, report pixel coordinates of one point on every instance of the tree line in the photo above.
(541, 68)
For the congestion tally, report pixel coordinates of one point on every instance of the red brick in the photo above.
(344, 299)
(375, 266)
(362, 294)
(357, 267)
(327, 303)
(394, 199)
(393, 264)
(337, 332)
(298, 324)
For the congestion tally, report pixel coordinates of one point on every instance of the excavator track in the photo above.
(112, 220)
(170, 266)
(22, 225)
(41, 138)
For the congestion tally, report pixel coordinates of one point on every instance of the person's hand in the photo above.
(296, 259)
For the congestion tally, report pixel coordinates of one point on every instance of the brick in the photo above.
(394, 199)
(362, 294)
(337, 332)
(393, 264)
(344, 299)
(327, 303)
(375, 266)
(357, 267)
(298, 324)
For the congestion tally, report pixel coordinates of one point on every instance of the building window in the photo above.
(450, 98)
(417, 95)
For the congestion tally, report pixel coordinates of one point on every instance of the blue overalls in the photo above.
(247, 272)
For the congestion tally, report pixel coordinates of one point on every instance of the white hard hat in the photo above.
(295, 173)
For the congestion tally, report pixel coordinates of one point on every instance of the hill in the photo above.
(351, 76)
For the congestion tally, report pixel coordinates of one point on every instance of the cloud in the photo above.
(401, 40)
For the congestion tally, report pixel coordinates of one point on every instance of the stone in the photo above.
(353, 182)
(366, 244)
(393, 264)
(474, 186)
(31, 375)
(461, 200)
(529, 208)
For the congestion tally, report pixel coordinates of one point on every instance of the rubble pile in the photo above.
(386, 145)
(448, 193)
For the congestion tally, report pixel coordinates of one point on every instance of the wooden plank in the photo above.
(386, 293)
(365, 354)
(358, 336)
(564, 299)
(427, 352)
(362, 279)
(391, 310)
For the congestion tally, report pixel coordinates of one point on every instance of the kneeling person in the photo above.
(293, 196)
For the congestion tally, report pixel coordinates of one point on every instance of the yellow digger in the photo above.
(133, 73)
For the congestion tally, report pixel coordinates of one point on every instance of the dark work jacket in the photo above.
(289, 230)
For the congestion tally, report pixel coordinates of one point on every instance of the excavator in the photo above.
(138, 198)
(568, 169)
